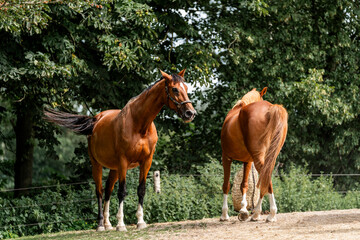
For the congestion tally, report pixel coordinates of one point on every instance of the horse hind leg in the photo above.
(259, 163)
(273, 208)
(226, 162)
(97, 176)
(244, 213)
(112, 178)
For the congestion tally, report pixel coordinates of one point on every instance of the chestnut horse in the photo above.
(124, 139)
(253, 131)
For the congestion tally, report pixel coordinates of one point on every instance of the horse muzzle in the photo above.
(188, 115)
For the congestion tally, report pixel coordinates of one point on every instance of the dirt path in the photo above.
(328, 225)
(336, 224)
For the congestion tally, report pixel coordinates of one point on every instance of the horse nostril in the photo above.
(189, 114)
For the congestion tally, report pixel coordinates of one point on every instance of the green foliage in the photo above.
(66, 208)
(298, 191)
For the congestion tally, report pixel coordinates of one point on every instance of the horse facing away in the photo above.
(254, 131)
(124, 139)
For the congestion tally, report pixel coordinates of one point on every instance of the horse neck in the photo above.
(147, 105)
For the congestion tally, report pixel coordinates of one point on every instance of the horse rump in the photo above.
(80, 124)
(274, 135)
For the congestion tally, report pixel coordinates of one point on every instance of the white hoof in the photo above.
(243, 215)
(121, 228)
(224, 218)
(271, 219)
(141, 226)
(100, 229)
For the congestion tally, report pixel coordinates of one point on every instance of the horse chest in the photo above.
(141, 149)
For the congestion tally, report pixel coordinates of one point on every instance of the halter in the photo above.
(178, 104)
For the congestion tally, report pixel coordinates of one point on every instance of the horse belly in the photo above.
(102, 142)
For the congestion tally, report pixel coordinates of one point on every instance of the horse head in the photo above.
(177, 97)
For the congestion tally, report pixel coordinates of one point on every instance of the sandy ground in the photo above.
(336, 224)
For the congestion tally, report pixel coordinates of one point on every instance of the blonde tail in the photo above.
(274, 135)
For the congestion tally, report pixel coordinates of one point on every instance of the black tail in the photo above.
(78, 123)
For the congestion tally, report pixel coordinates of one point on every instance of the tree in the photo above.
(307, 53)
(94, 53)
(52, 52)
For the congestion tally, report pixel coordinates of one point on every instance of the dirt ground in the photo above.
(336, 224)
(329, 225)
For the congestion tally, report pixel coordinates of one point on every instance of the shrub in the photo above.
(182, 197)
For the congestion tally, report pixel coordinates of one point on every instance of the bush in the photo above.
(197, 196)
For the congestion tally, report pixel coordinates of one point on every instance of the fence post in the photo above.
(156, 177)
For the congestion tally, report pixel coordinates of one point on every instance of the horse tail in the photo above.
(78, 123)
(274, 135)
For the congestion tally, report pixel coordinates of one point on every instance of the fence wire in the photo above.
(181, 175)
(92, 199)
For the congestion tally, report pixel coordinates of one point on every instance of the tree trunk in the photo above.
(24, 150)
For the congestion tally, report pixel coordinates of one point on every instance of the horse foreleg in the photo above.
(273, 208)
(144, 169)
(244, 214)
(226, 162)
(112, 178)
(121, 195)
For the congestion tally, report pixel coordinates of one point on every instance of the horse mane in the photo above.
(248, 98)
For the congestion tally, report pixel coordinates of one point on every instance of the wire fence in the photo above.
(93, 199)
(165, 175)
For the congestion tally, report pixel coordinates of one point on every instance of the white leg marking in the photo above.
(257, 211)
(243, 203)
(243, 214)
(120, 217)
(107, 222)
(140, 216)
(273, 209)
(224, 215)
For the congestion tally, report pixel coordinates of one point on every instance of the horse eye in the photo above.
(175, 90)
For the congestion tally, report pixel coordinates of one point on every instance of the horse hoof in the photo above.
(255, 219)
(243, 215)
(271, 219)
(141, 226)
(121, 228)
(108, 227)
(224, 219)
(100, 229)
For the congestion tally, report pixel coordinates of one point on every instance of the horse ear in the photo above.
(182, 73)
(262, 93)
(165, 75)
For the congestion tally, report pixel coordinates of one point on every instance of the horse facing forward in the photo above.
(253, 131)
(124, 139)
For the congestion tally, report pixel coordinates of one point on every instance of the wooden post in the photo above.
(156, 178)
